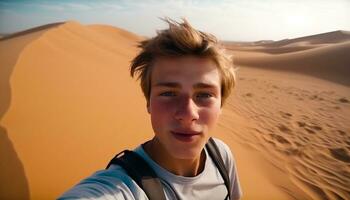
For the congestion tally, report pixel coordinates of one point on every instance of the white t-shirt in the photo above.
(114, 183)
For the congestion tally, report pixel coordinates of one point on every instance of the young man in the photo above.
(186, 77)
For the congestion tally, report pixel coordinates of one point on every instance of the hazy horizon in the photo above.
(230, 20)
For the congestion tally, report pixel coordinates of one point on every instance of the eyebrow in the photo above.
(177, 85)
(204, 85)
(167, 84)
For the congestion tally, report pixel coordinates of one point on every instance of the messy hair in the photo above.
(181, 39)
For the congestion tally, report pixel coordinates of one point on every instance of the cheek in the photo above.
(159, 110)
(160, 106)
(210, 116)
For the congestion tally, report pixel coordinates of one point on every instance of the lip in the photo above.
(185, 136)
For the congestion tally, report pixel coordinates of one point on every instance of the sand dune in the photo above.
(291, 45)
(68, 105)
(306, 55)
(68, 101)
(29, 31)
(323, 38)
(318, 39)
(326, 62)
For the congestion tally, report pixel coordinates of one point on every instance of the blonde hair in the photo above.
(181, 39)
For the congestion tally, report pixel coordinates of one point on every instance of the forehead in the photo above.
(185, 70)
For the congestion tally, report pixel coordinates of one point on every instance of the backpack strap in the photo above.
(214, 153)
(138, 169)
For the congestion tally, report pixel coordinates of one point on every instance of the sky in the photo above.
(235, 20)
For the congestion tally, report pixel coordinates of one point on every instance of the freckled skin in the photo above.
(185, 105)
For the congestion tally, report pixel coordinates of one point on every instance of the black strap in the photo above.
(215, 154)
(138, 169)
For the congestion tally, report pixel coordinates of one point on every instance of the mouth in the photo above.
(185, 136)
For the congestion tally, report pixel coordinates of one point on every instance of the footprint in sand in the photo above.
(341, 132)
(270, 142)
(312, 129)
(340, 154)
(298, 144)
(292, 152)
(343, 100)
(347, 142)
(309, 130)
(336, 107)
(248, 95)
(329, 126)
(315, 127)
(280, 139)
(301, 124)
(316, 97)
(313, 97)
(284, 128)
(285, 115)
(301, 138)
(276, 87)
(306, 139)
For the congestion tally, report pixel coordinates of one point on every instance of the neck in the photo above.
(181, 167)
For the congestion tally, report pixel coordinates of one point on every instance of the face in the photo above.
(184, 104)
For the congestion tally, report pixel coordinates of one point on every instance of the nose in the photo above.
(187, 110)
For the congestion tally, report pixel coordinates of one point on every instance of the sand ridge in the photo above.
(326, 61)
(67, 91)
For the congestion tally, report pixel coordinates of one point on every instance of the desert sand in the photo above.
(68, 105)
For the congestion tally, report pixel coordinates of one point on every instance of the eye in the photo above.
(204, 95)
(167, 94)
